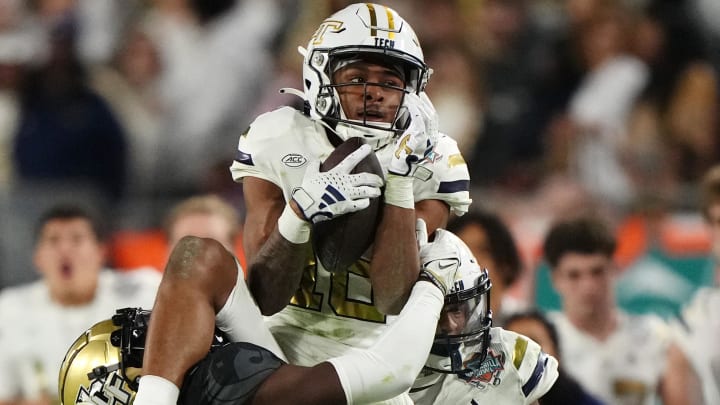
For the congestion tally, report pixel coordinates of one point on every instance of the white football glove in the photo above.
(325, 195)
(439, 259)
(419, 138)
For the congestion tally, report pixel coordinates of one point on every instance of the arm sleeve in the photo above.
(241, 319)
(390, 366)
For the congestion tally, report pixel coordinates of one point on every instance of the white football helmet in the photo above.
(362, 31)
(463, 333)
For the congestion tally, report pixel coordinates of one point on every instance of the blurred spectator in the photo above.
(599, 342)
(67, 133)
(708, 13)
(40, 320)
(506, 50)
(454, 90)
(130, 85)
(205, 216)
(100, 24)
(492, 244)
(21, 45)
(674, 126)
(599, 108)
(216, 58)
(537, 327)
(697, 333)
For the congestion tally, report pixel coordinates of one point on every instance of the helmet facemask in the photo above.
(95, 369)
(377, 117)
(463, 333)
(103, 365)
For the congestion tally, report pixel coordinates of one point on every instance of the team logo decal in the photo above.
(332, 26)
(487, 373)
(111, 391)
(294, 160)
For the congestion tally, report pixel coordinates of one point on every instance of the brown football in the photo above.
(341, 241)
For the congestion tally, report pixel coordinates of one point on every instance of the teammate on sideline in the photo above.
(696, 335)
(40, 319)
(364, 76)
(617, 357)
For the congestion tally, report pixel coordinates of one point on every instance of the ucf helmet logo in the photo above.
(105, 391)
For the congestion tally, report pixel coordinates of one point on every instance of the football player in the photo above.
(102, 366)
(472, 362)
(363, 76)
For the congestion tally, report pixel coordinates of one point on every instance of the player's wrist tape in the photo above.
(292, 228)
(399, 191)
(429, 276)
(154, 390)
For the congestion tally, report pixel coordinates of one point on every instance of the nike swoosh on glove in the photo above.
(440, 259)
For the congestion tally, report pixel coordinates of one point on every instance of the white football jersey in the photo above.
(697, 336)
(332, 312)
(277, 147)
(626, 368)
(36, 332)
(515, 371)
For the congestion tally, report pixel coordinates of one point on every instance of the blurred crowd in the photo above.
(559, 106)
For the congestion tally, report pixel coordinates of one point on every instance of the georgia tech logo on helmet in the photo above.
(105, 391)
(332, 25)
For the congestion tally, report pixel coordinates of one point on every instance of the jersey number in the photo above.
(342, 299)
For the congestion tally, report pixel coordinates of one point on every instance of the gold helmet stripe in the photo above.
(391, 23)
(373, 19)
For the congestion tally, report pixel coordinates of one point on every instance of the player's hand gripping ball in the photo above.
(341, 241)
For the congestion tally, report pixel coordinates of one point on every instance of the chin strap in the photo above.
(290, 90)
(296, 92)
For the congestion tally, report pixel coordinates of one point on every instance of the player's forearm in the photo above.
(275, 273)
(390, 366)
(395, 264)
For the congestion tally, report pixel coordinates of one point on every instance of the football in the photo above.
(341, 241)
